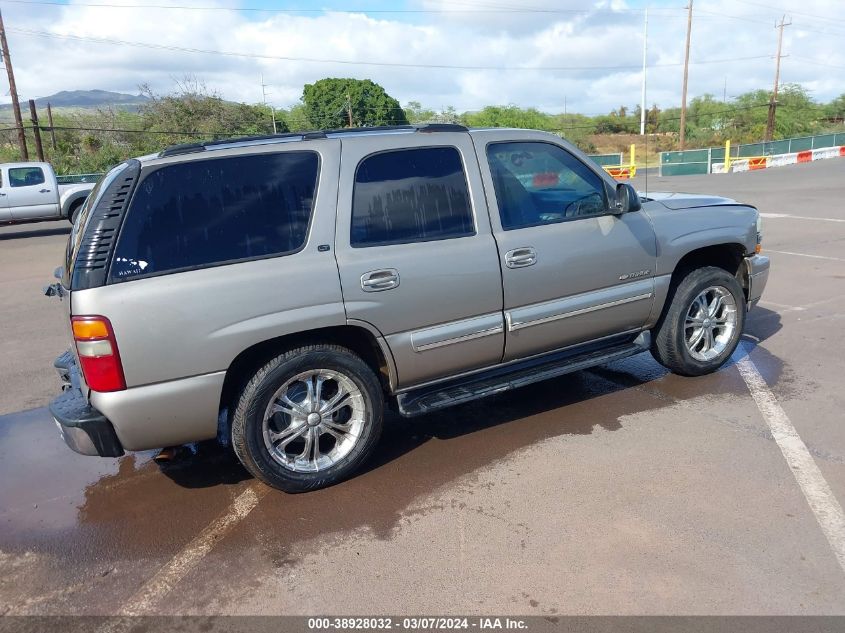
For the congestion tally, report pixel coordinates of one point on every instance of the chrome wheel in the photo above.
(314, 420)
(710, 323)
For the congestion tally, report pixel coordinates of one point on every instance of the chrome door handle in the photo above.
(521, 257)
(378, 280)
(43, 191)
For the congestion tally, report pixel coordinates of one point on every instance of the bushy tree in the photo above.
(195, 111)
(328, 103)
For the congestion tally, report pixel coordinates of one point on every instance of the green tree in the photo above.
(193, 111)
(328, 103)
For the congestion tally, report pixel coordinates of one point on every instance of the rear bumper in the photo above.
(757, 267)
(83, 428)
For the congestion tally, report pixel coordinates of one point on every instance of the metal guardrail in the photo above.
(78, 179)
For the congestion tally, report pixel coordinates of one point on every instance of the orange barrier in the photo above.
(805, 156)
(842, 151)
(758, 162)
(620, 173)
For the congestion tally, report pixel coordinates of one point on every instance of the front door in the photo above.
(416, 254)
(28, 193)
(572, 271)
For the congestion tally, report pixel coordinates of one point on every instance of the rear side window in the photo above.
(26, 176)
(206, 212)
(410, 195)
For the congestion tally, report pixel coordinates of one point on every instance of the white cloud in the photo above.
(722, 29)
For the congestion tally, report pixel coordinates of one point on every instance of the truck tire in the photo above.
(703, 323)
(74, 210)
(308, 418)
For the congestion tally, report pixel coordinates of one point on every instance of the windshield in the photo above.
(78, 229)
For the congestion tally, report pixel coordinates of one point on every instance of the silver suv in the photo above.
(278, 292)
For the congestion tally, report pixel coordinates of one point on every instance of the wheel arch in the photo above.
(71, 200)
(729, 256)
(359, 337)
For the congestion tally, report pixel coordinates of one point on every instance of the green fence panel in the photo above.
(825, 140)
(684, 169)
(686, 156)
(607, 160)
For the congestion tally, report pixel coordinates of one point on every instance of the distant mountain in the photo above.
(87, 99)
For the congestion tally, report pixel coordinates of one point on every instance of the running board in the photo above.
(427, 399)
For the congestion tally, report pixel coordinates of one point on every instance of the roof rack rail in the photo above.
(443, 127)
(190, 148)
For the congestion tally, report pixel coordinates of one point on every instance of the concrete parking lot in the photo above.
(618, 490)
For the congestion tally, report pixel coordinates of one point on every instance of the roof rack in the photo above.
(191, 148)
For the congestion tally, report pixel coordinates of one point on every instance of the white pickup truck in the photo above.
(29, 192)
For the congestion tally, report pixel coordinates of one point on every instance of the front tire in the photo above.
(309, 418)
(703, 323)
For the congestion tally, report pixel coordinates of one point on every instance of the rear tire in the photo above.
(73, 212)
(703, 323)
(309, 418)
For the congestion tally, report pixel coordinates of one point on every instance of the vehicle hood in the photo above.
(688, 200)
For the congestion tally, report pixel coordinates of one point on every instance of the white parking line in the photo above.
(817, 492)
(832, 259)
(799, 217)
(162, 583)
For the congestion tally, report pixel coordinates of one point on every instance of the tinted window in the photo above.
(204, 212)
(25, 176)
(410, 195)
(540, 183)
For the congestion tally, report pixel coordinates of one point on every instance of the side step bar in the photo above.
(427, 399)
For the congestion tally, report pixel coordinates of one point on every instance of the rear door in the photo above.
(416, 254)
(572, 271)
(31, 193)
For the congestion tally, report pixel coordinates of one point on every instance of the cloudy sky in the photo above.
(582, 55)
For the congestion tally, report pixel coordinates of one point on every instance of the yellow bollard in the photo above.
(633, 166)
(727, 156)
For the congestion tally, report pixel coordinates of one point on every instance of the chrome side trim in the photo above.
(464, 374)
(459, 339)
(512, 327)
(457, 332)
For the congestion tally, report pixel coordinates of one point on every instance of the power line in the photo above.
(203, 51)
(501, 9)
(825, 18)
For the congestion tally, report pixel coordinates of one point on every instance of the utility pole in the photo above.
(642, 96)
(13, 91)
(33, 113)
(773, 104)
(682, 139)
(349, 108)
(264, 99)
(50, 121)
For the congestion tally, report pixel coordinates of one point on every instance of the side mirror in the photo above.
(627, 198)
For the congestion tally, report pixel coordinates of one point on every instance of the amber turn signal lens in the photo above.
(88, 329)
(758, 249)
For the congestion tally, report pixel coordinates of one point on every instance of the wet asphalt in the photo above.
(621, 489)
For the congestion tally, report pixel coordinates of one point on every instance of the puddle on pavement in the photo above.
(77, 507)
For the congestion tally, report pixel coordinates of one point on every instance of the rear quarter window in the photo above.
(208, 212)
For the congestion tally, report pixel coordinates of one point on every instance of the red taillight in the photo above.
(97, 351)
